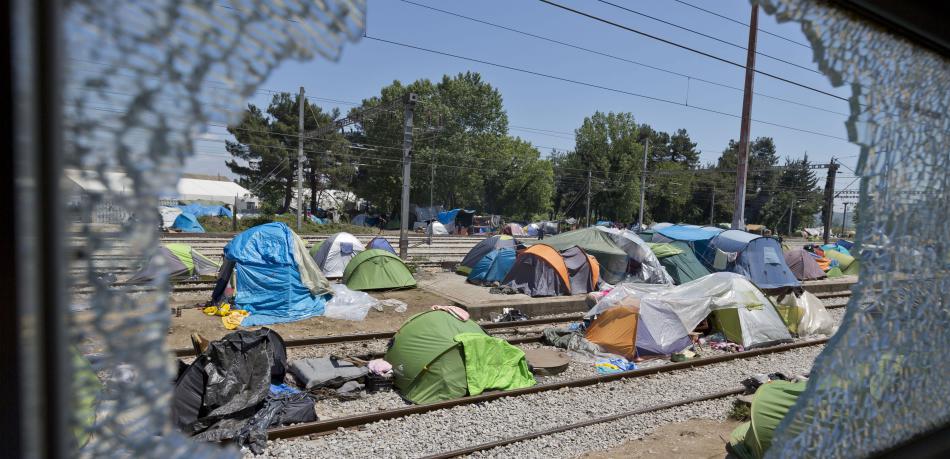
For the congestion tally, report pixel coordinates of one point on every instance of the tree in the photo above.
(797, 192)
(524, 186)
(762, 178)
(266, 145)
(608, 145)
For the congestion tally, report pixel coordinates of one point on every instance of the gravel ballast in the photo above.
(467, 425)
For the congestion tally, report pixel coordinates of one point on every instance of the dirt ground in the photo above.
(192, 320)
(696, 438)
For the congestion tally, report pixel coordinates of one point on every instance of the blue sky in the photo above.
(540, 103)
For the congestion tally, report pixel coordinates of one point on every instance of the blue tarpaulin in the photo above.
(268, 280)
(689, 233)
(188, 223)
(206, 210)
(448, 216)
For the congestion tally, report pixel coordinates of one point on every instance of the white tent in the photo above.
(334, 253)
(668, 314)
(437, 229)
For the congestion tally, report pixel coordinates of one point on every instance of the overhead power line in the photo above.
(596, 86)
(617, 58)
(688, 48)
(705, 35)
(746, 25)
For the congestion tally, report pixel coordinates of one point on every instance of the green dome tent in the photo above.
(680, 262)
(436, 356)
(377, 269)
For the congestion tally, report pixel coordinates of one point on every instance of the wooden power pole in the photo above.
(738, 217)
(643, 184)
(300, 102)
(829, 198)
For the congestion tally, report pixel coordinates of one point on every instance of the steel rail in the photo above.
(578, 425)
(330, 425)
(497, 327)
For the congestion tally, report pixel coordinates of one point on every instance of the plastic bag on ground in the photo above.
(397, 305)
(349, 304)
(816, 320)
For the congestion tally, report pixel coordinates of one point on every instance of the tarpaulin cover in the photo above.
(771, 403)
(493, 267)
(206, 210)
(493, 364)
(758, 258)
(188, 223)
(223, 389)
(643, 264)
(448, 216)
(612, 258)
(169, 214)
(687, 233)
(277, 281)
(670, 313)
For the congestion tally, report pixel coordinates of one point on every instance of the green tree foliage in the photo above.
(265, 152)
(463, 155)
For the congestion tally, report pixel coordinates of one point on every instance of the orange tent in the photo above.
(615, 329)
(539, 271)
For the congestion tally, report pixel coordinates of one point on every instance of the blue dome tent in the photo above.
(380, 243)
(758, 258)
(493, 267)
(188, 223)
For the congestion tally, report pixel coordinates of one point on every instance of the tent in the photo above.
(493, 267)
(641, 261)
(594, 241)
(685, 233)
(616, 329)
(380, 243)
(582, 270)
(514, 229)
(188, 223)
(335, 253)
(550, 228)
(430, 365)
(756, 257)
(846, 262)
(437, 229)
(179, 261)
(169, 214)
(277, 280)
(377, 269)
(678, 260)
(539, 271)
(803, 265)
(771, 402)
(667, 314)
(206, 209)
(361, 220)
(482, 248)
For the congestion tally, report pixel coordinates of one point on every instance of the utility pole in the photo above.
(300, 102)
(643, 184)
(431, 194)
(712, 208)
(406, 168)
(829, 198)
(738, 217)
(587, 214)
(844, 218)
(234, 215)
(790, 210)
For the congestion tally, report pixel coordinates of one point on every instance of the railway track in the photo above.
(357, 420)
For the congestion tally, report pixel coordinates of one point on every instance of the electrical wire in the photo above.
(597, 86)
(711, 37)
(618, 58)
(805, 45)
(687, 48)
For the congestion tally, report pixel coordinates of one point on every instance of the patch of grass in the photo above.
(740, 411)
(223, 225)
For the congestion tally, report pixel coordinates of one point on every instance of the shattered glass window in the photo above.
(882, 379)
(142, 79)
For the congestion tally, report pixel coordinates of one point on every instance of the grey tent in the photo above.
(539, 271)
(642, 263)
(582, 270)
(179, 261)
(803, 265)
